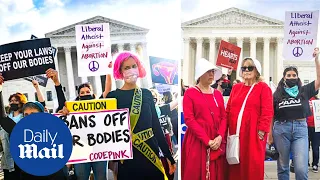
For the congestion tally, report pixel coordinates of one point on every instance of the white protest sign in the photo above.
(161, 88)
(300, 35)
(93, 49)
(316, 114)
(99, 136)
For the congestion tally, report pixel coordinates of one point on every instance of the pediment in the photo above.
(115, 27)
(232, 17)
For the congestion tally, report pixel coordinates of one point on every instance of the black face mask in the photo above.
(86, 97)
(291, 82)
(224, 85)
(14, 107)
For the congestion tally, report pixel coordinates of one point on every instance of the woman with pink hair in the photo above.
(147, 135)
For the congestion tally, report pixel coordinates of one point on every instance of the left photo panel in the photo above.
(89, 90)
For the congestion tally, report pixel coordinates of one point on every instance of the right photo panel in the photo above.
(250, 78)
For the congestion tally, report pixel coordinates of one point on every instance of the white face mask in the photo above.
(131, 75)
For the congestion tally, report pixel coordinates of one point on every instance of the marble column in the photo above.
(71, 87)
(147, 81)
(239, 44)
(212, 51)
(279, 62)
(56, 63)
(253, 47)
(199, 48)
(266, 59)
(117, 83)
(134, 50)
(186, 61)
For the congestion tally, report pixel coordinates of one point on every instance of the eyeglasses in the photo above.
(250, 68)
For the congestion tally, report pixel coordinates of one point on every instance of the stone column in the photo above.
(56, 63)
(133, 49)
(253, 47)
(212, 51)
(266, 59)
(147, 81)
(117, 83)
(199, 48)
(71, 87)
(186, 61)
(98, 85)
(239, 44)
(84, 79)
(279, 62)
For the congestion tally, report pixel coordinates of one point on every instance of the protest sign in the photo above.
(92, 105)
(26, 58)
(164, 71)
(300, 35)
(42, 79)
(99, 136)
(93, 49)
(161, 88)
(316, 114)
(228, 55)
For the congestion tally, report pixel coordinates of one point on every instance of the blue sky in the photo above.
(21, 18)
(191, 9)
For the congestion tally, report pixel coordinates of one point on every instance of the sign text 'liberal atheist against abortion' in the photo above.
(99, 136)
(93, 49)
(26, 58)
(300, 35)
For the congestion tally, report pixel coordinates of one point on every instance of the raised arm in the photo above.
(39, 93)
(5, 122)
(108, 86)
(53, 74)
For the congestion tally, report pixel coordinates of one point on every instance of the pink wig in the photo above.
(121, 58)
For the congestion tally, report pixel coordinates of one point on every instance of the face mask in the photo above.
(14, 107)
(291, 82)
(131, 75)
(86, 97)
(224, 85)
(293, 91)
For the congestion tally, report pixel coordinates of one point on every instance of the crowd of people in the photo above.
(230, 143)
(159, 116)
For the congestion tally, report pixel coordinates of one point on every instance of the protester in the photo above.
(10, 170)
(290, 132)
(83, 170)
(8, 124)
(168, 98)
(128, 67)
(203, 145)
(255, 121)
(314, 138)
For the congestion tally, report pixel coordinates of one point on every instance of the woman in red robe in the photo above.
(255, 124)
(204, 143)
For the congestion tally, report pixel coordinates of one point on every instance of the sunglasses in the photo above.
(250, 68)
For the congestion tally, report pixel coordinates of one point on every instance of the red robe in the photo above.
(257, 115)
(201, 129)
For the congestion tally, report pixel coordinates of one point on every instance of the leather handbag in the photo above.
(233, 141)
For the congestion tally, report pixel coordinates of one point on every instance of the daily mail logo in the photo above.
(31, 150)
(41, 144)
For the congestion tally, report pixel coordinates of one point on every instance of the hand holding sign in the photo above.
(64, 111)
(316, 52)
(53, 74)
(1, 79)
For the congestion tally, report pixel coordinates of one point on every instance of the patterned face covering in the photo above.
(293, 91)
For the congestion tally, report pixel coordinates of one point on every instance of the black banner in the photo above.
(26, 58)
(42, 79)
